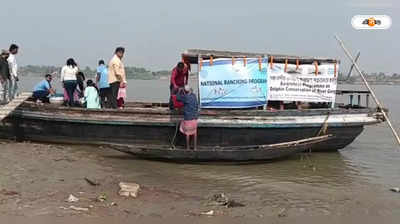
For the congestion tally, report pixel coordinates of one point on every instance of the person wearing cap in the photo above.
(12, 62)
(43, 89)
(190, 112)
(4, 75)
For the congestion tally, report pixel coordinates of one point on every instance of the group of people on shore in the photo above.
(9, 73)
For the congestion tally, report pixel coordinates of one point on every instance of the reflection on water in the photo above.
(372, 159)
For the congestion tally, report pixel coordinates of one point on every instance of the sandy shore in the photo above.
(36, 180)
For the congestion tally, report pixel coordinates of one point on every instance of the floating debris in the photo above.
(129, 189)
(92, 182)
(209, 213)
(223, 200)
(282, 213)
(72, 199)
(79, 209)
(101, 198)
(8, 193)
(396, 190)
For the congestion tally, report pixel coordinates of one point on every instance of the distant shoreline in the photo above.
(167, 77)
(386, 83)
(131, 72)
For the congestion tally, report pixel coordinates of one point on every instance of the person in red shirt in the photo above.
(179, 78)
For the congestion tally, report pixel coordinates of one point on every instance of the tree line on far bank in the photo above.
(131, 72)
(375, 77)
(144, 74)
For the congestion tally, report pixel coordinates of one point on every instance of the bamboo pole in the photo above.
(369, 88)
(199, 66)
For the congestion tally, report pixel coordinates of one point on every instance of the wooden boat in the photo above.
(149, 129)
(155, 124)
(238, 153)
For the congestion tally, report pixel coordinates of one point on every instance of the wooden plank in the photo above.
(10, 107)
(130, 113)
(342, 92)
(193, 54)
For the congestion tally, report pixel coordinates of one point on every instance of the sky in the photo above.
(155, 33)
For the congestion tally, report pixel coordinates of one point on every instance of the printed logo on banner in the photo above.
(303, 84)
(233, 85)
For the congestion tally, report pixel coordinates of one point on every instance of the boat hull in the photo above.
(236, 154)
(29, 129)
(158, 126)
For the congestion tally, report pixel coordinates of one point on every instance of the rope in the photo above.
(176, 133)
(308, 153)
(324, 127)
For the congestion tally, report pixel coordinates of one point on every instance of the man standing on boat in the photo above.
(102, 83)
(179, 78)
(116, 76)
(4, 75)
(190, 112)
(12, 61)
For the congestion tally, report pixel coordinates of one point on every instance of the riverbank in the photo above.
(37, 179)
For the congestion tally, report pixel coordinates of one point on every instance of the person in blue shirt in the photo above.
(43, 89)
(188, 126)
(102, 83)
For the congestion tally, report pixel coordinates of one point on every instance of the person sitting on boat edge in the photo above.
(179, 78)
(43, 90)
(102, 83)
(91, 95)
(4, 75)
(190, 111)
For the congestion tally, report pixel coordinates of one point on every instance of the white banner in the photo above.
(302, 84)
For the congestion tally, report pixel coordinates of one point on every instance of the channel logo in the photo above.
(371, 22)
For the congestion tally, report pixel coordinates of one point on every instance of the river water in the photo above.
(370, 164)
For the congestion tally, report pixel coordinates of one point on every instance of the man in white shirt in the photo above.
(12, 62)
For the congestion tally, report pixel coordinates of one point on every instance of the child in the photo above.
(91, 96)
(121, 96)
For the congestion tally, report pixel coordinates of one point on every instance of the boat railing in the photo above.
(358, 94)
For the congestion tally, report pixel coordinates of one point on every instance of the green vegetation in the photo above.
(131, 72)
(373, 78)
